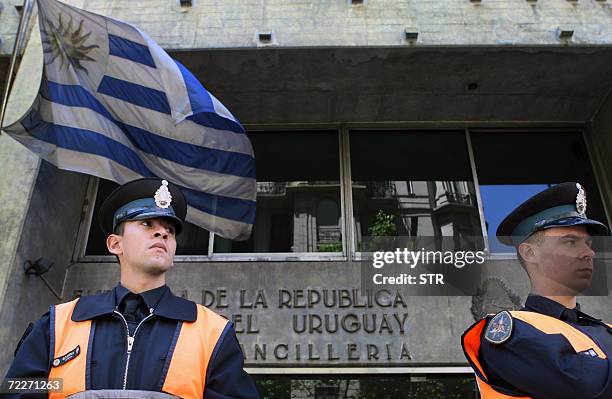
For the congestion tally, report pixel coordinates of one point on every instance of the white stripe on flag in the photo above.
(221, 226)
(124, 30)
(221, 109)
(133, 72)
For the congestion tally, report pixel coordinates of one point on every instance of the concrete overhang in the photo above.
(439, 84)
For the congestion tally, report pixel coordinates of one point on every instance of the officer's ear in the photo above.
(527, 252)
(113, 244)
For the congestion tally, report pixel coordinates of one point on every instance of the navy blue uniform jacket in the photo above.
(148, 362)
(545, 366)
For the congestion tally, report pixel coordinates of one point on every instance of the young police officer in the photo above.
(550, 349)
(139, 336)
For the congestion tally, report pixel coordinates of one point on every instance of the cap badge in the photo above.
(163, 198)
(581, 202)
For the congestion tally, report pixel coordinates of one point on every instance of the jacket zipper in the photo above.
(130, 343)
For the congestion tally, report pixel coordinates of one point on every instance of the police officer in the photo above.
(550, 349)
(139, 336)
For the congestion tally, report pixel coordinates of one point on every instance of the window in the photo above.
(298, 195)
(513, 166)
(403, 183)
(420, 182)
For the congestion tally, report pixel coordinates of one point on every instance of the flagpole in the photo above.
(23, 23)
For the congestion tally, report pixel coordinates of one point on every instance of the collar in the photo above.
(150, 297)
(547, 306)
(167, 304)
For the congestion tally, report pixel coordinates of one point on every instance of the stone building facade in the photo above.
(437, 115)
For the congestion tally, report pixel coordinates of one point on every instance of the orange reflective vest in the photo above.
(548, 325)
(186, 375)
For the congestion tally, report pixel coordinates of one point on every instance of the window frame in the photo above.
(594, 159)
(86, 223)
(360, 255)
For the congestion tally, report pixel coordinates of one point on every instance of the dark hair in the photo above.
(535, 238)
(119, 231)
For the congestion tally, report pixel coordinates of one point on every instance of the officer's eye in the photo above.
(146, 223)
(170, 230)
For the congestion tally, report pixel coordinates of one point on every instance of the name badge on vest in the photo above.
(59, 361)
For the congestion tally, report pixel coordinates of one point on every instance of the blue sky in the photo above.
(498, 201)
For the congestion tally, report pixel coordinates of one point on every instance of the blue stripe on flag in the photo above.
(231, 163)
(198, 96)
(130, 50)
(214, 160)
(216, 122)
(74, 96)
(135, 94)
(202, 105)
(86, 141)
(241, 210)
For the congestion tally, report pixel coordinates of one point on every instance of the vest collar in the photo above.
(169, 306)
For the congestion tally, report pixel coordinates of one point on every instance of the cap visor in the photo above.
(595, 228)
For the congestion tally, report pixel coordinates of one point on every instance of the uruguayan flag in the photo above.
(113, 104)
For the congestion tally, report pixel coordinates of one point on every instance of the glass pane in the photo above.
(369, 387)
(500, 200)
(192, 241)
(298, 194)
(507, 179)
(416, 184)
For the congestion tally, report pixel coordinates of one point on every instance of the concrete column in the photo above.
(599, 139)
(19, 166)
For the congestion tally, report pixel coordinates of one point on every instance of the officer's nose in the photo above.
(161, 231)
(587, 252)
(163, 234)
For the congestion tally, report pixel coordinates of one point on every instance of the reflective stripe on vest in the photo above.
(186, 376)
(67, 336)
(194, 349)
(548, 325)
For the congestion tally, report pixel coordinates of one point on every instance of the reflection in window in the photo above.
(416, 184)
(329, 232)
(192, 241)
(369, 387)
(512, 167)
(298, 194)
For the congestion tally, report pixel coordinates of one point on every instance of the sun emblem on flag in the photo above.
(66, 44)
